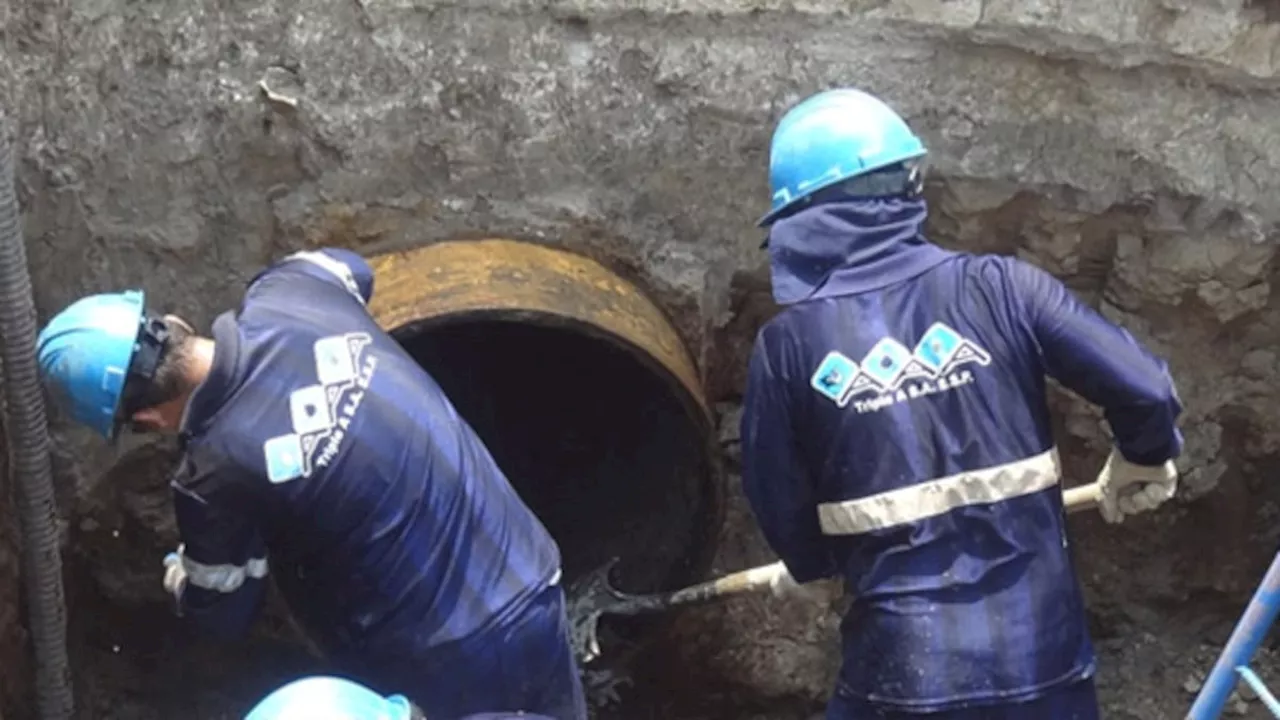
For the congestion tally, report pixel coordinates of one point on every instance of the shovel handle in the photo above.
(1075, 499)
(742, 581)
(1082, 497)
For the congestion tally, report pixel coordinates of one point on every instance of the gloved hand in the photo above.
(175, 576)
(1129, 489)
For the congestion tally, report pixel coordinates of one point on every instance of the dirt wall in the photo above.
(1130, 147)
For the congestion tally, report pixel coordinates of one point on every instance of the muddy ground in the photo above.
(1157, 622)
(1147, 672)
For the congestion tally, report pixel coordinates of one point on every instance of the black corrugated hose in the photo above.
(29, 458)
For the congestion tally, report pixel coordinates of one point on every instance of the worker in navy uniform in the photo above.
(316, 448)
(896, 433)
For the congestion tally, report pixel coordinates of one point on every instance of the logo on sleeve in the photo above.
(890, 373)
(321, 414)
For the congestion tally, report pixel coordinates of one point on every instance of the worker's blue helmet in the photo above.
(321, 697)
(830, 137)
(85, 353)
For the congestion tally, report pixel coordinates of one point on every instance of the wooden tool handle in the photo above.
(1076, 499)
(742, 581)
(1082, 497)
(756, 577)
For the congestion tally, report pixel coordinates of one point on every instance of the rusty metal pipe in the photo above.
(475, 280)
(519, 280)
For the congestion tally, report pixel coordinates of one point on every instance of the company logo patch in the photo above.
(320, 414)
(890, 373)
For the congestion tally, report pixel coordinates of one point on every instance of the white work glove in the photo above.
(175, 576)
(1129, 489)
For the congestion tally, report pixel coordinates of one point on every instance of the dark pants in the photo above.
(1078, 701)
(524, 664)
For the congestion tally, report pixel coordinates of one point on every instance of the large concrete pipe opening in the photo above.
(582, 391)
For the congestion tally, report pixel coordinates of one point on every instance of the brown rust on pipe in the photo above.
(507, 276)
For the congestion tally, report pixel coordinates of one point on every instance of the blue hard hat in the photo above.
(84, 355)
(830, 137)
(321, 697)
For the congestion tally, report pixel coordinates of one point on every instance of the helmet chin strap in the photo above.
(148, 352)
(914, 186)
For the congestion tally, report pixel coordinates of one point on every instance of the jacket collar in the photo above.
(849, 246)
(223, 379)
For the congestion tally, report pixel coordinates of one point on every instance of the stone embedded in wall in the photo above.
(1200, 466)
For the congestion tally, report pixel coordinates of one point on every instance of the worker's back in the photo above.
(947, 390)
(389, 527)
(968, 588)
(903, 393)
(895, 431)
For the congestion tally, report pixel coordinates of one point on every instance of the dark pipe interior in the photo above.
(596, 442)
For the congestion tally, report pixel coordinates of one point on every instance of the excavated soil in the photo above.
(1156, 625)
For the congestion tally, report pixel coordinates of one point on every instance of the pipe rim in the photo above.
(459, 281)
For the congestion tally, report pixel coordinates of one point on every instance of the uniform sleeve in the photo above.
(775, 479)
(338, 267)
(223, 555)
(1105, 365)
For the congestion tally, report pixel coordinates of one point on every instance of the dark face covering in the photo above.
(848, 246)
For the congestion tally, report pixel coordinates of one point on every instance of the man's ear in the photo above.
(149, 418)
(179, 321)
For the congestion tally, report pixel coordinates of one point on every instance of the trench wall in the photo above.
(1129, 146)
